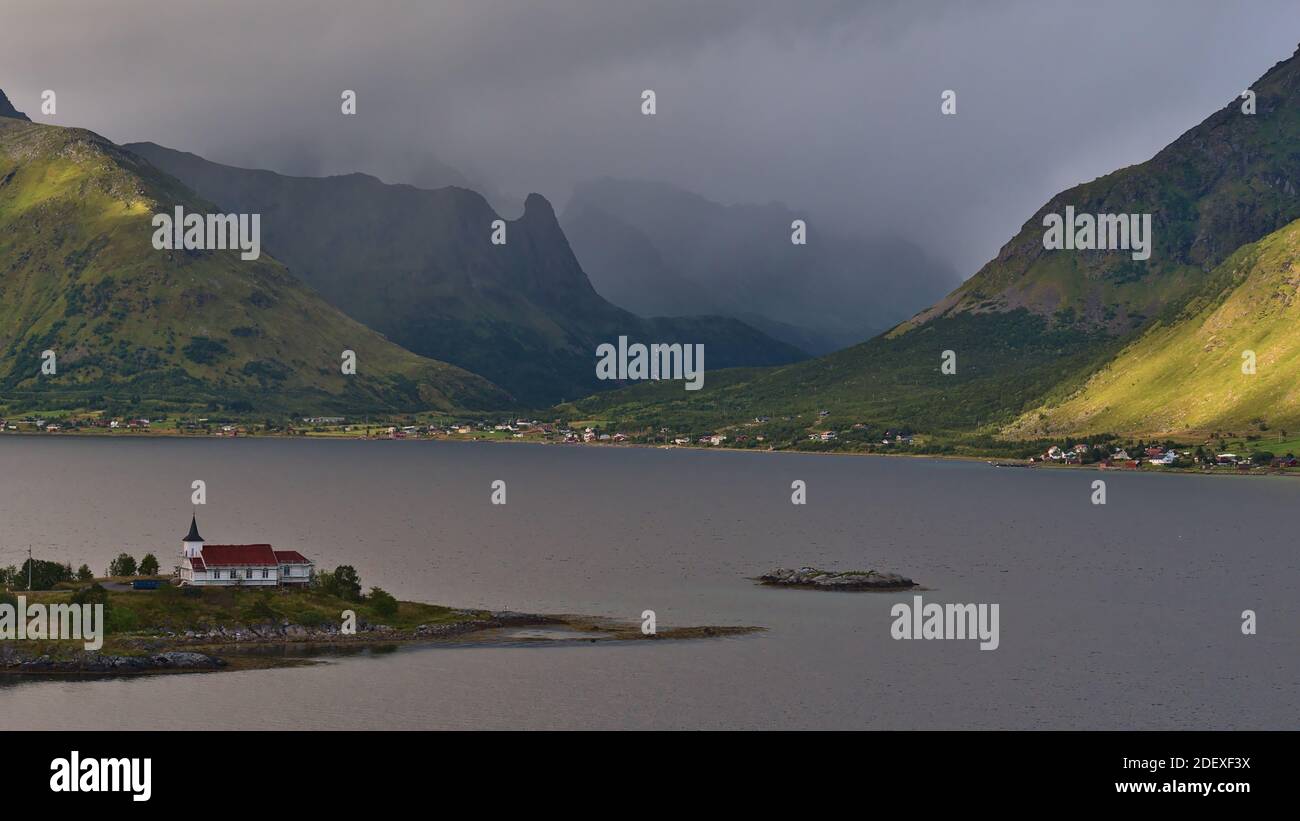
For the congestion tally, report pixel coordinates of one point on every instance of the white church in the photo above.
(232, 565)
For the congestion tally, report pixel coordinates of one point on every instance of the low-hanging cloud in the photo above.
(830, 107)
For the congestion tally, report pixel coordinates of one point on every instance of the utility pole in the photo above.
(29, 568)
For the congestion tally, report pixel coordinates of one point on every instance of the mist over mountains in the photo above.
(1044, 338)
(417, 266)
(1085, 341)
(657, 249)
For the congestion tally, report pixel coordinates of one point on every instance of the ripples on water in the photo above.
(1122, 616)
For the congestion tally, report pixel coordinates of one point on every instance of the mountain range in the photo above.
(132, 326)
(417, 266)
(1039, 343)
(657, 249)
(1051, 342)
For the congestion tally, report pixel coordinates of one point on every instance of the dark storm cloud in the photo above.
(829, 107)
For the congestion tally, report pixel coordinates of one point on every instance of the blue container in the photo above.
(144, 584)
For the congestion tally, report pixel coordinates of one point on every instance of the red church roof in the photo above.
(241, 555)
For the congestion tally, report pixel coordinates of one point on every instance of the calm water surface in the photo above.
(1118, 616)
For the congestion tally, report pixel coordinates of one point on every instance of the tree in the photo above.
(123, 565)
(84, 573)
(44, 575)
(149, 565)
(382, 602)
(343, 582)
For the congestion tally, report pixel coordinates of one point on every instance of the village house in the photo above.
(896, 437)
(237, 565)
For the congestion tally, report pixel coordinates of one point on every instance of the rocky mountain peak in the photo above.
(7, 109)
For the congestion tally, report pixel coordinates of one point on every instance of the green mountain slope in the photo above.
(419, 267)
(183, 329)
(1187, 375)
(1230, 180)
(1034, 324)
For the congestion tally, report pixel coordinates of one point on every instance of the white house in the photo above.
(230, 565)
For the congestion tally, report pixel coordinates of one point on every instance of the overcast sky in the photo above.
(829, 107)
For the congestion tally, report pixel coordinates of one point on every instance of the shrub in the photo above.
(84, 573)
(121, 620)
(94, 594)
(260, 611)
(205, 351)
(149, 565)
(382, 602)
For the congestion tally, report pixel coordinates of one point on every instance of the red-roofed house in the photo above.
(227, 565)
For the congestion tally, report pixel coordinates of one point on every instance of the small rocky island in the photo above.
(189, 630)
(812, 578)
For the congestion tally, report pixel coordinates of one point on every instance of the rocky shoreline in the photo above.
(196, 650)
(811, 578)
(86, 661)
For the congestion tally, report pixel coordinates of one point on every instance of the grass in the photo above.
(172, 609)
(134, 327)
(1184, 377)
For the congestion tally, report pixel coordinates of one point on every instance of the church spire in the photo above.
(194, 531)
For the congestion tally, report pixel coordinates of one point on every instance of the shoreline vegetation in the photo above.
(1252, 454)
(181, 630)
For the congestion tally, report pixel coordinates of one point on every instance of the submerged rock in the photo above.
(186, 661)
(816, 579)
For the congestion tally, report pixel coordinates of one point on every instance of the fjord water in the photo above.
(1125, 615)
